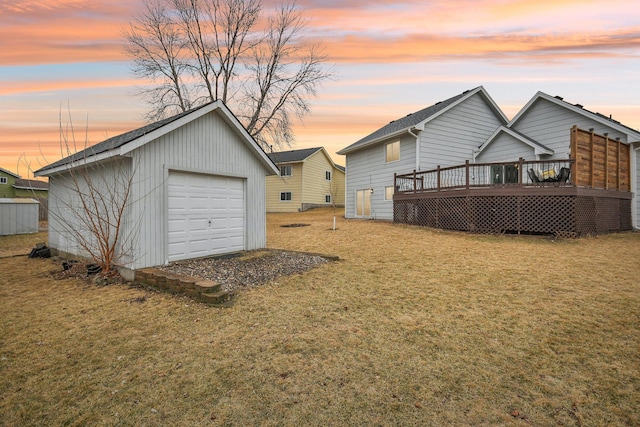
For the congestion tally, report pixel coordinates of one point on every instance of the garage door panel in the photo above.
(205, 215)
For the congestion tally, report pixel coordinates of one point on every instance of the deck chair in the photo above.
(533, 176)
(564, 174)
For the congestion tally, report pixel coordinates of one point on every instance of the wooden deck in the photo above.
(516, 197)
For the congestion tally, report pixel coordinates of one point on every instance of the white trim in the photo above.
(126, 148)
(289, 200)
(538, 149)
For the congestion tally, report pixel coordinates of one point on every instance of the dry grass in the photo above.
(413, 327)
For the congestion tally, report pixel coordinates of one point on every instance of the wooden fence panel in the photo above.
(600, 161)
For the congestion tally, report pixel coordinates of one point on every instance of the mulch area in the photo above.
(247, 268)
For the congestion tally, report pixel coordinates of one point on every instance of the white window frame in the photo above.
(284, 193)
(284, 168)
(386, 189)
(386, 152)
(327, 175)
(327, 198)
(3, 180)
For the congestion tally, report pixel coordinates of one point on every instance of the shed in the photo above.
(18, 216)
(197, 188)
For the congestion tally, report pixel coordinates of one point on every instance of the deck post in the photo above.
(415, 189)
(395, 182)
(438, 174)
(466, 172)
(520, 170)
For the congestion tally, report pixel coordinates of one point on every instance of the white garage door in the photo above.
(206, 215)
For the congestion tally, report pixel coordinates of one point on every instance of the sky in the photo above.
(62, 61)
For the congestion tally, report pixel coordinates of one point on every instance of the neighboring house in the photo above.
(542, 130)
(198, 188)
(308, 179)
(446, 133)
(31, 188)
(7, 180)
(12, 186)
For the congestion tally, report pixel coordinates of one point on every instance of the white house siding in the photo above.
(505, 148)
(451, 138)
(366, 169)
(65, 204)
(551, 124)
(206, 145)
(636, 208)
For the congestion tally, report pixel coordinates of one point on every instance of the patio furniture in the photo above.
(533, 176)
(564, 174)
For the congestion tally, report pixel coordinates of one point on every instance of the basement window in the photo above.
(327, 198)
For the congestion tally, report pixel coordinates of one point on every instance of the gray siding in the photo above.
(67, 217)
(636, 166)
(366, 168)
(505, 148)
(451, 138)
(551, 124)
(206, 145)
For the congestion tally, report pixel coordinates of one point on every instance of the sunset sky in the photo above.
(390, 58)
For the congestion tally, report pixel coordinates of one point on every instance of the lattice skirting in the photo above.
(559, 215)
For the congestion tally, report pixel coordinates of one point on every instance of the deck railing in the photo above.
(537, 173)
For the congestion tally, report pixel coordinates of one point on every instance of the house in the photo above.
(194, 186)
(308, 179)
(13, 186)
(446, 133)
(555, 168)
(541, 130)
(7, 180)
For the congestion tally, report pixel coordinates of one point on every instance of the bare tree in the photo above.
(88, 206)
(159, 52)
(266, 76)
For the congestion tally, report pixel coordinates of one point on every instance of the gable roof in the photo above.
(9, 173)
(293, 156)
(538, 148)
(296, 156)
(418, 119)
(577, 108)
(129, 141)
(30, 184)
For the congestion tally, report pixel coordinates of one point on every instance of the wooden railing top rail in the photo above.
(469, 175)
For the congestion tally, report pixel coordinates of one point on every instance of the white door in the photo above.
(205, 215)
(363, 203)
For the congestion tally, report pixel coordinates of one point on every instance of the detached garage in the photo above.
(194, 186)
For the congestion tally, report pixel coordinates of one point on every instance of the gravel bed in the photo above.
(248, 268)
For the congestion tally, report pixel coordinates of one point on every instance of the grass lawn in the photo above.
(413, 326)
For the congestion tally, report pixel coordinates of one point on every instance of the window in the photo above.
(327, 175)
(3, 179)
(388, 193)
(285, 196)
(285, 171)
(327, 198)
(392, 151)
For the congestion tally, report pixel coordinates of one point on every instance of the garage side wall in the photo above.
(206, 145)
